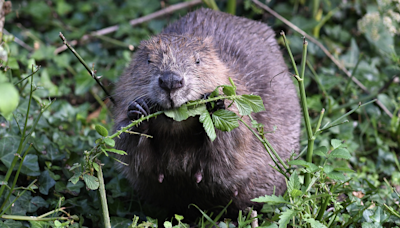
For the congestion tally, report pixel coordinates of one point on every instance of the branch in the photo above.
(134, 22)
(312, 39)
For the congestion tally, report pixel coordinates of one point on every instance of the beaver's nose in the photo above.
(170, 81)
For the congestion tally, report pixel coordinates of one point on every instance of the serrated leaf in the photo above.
(337, 176)
(178, 114)
(208, 125)
(314, 223)
(340, 153)
(255, 102)
(197, 110)
(243, 106)
(296, 193)
(225, 120)
(336, 143)
(310, 166)
(294, 182)
(121, 152)
(101, 130)
(228, 90)
(270, 200)
(321, 151)
(91, 181)
(109, 142)
(285, 218)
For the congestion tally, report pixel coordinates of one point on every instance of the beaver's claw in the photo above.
(137, 109)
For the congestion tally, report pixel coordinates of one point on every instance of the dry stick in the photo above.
(312, 39)
(134, 22)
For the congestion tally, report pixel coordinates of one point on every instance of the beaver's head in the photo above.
(174, 69)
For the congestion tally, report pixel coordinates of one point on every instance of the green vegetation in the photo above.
(55, 140)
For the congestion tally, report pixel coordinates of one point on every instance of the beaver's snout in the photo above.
(170, 81)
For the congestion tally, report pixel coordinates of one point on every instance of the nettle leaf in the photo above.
(294, 182)
(321, 151)
(255, 102)
(271, 200)
(314, 223)
(336, 143)
(109, 142)
(340, 153)
(101, 130)
(225, 120)
(91, 182)
(178, 114)
(243, 106)
(228, 90)
(285, 218)
(310, 166)
(208, 125)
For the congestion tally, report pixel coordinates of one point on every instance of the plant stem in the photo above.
(231, 7)
(103, 198)
(16, 198)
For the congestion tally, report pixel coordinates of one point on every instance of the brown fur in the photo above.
(233, 167)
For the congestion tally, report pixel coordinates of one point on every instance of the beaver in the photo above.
(180, 165)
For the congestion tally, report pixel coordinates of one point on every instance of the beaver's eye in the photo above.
(197, 60)
(148, 60)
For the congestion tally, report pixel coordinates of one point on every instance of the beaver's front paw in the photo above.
(214, 105)
(137, 109)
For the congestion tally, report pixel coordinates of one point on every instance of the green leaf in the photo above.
(91, 181)
(167, 224)
(225, 120)
(294, 182)
(321, 151)
(285, 218)
(344, 169)
(271, 200)
(8, 147)
(177, 114)
(314, 223)
(178, 217)
(101, 130)
(340, 153)
(75, 188)
(243, 107)
(296, 193)
(336, 143)
(255, 102)
(208, 125)
(121, 152)
(310, 166)
(75, 178)
(30, 166)
(109, 142)
(9, 98)
(337, 176)
(328, 168)
(197, 110)
(228, 90)
(45, 182)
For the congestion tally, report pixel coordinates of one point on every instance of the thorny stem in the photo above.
(91, 72)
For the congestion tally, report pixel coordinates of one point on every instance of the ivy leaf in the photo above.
(178, 114)
(340, 153)
(101, 130)
(270, 200)
(91, 181)
(255, 102)
(45, 182)
(30, 166)
(285, 218)
(208, 125)
(225, 120)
